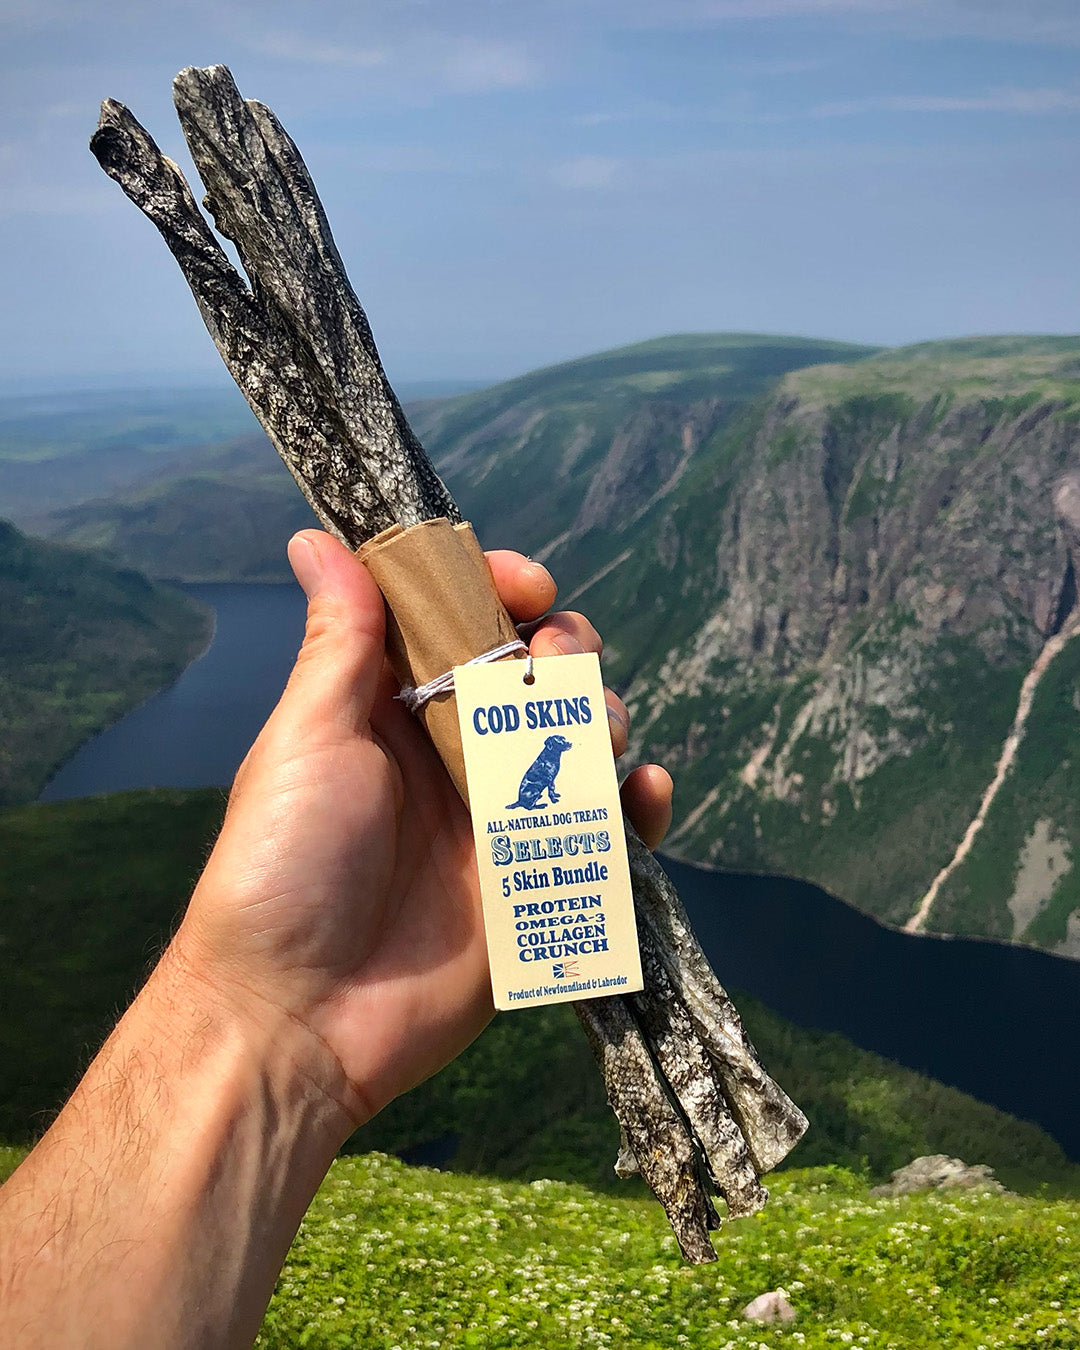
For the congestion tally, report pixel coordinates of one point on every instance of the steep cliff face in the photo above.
(563, 460)
(865, 571)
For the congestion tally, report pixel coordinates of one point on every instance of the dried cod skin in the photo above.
(658, 1137)
(298, 344)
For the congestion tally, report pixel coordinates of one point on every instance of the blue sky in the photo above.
(514, 182)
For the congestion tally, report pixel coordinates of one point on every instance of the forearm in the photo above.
(160, 1206)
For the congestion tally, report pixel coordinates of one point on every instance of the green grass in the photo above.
(1011, 375)
(11, 1155)
(390, 1256)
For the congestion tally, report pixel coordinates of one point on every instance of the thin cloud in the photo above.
(435, 62)
(586, 173)
(480, 65)
(1029, 22)
(706, 13)
(649, 112)
(288, 46)
(769, 68)
(1027, 101)
(654, 111)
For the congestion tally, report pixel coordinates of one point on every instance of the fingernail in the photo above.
(306, 564)
(617, 718)
(567, 644)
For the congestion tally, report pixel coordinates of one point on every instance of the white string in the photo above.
(415, 698)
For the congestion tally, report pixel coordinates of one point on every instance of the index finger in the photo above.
(525, 587)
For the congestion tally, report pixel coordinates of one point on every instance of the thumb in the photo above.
(337, 671)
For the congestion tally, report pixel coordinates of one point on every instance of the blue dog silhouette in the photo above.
(540, 775)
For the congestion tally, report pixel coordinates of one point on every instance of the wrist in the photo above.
(178, 1172)
(254, 1045)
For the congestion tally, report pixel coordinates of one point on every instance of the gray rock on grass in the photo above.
(938, 1172)
(770, 1307)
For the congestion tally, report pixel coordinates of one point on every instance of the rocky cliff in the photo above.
(826, 626)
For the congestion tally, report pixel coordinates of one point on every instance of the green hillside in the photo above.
(81, 643)
(824, 628)
(225, 511)
(694, 365)
(90, 890)
(393, 1256)
(227, 517)
(585, 445)
(57, 449)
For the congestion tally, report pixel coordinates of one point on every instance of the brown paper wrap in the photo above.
(443, 610)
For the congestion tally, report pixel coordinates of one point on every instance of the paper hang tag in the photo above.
(550, 846)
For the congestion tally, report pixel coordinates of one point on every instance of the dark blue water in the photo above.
(1002, 1023)
(195, 733)
(999, 1022)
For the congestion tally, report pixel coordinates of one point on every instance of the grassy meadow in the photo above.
(391, 1257)
(396, 1257)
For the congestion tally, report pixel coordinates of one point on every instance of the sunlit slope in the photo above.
(585, 446)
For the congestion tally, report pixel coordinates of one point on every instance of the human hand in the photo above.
(332, 956)
(342, 894)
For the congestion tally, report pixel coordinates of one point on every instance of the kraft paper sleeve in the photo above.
(443, 609)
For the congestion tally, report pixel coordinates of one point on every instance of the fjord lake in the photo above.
(999, 1022)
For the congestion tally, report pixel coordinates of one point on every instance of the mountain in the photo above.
(579, 451)
(57, 449)
(826, 607)
(81, 643)
(831, 578)
(90, 891)
(226, 514)
(522, 457)
(826, 629)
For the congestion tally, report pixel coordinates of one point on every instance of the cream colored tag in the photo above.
(558, 908)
